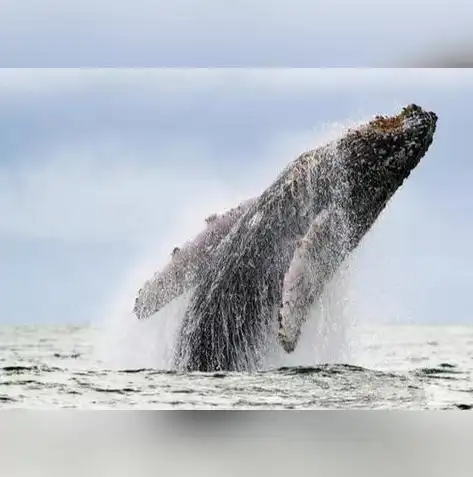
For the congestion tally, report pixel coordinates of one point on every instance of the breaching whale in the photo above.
(257, 270)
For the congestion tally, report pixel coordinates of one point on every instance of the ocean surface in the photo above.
(394, 367)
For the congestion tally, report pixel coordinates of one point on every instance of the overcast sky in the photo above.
(102, 172)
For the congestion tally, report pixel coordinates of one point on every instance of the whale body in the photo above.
(256, 271)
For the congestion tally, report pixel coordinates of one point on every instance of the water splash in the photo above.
(122, 343)
(326, 335)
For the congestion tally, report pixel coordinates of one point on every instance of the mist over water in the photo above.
(123, 342)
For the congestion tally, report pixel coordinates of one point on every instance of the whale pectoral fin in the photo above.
(162, 289)
(187, 265)
(315, 260)
(299, 293)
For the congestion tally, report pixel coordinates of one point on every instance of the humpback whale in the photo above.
(256, 271)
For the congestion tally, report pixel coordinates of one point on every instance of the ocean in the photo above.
(391, 367)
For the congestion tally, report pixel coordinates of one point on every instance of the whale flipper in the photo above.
(317, 256)
(164, 287)
(188, 264)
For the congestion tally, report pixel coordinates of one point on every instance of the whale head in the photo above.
(377, 158)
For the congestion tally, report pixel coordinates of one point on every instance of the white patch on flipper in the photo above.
(303, 283)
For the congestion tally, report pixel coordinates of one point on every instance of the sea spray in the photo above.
(327, 334)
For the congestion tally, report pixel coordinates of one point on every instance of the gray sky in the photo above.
(102, 172)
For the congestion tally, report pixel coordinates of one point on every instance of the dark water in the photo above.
(395, 367)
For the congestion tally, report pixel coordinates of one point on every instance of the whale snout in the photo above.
(415, 137)
(385, 150)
